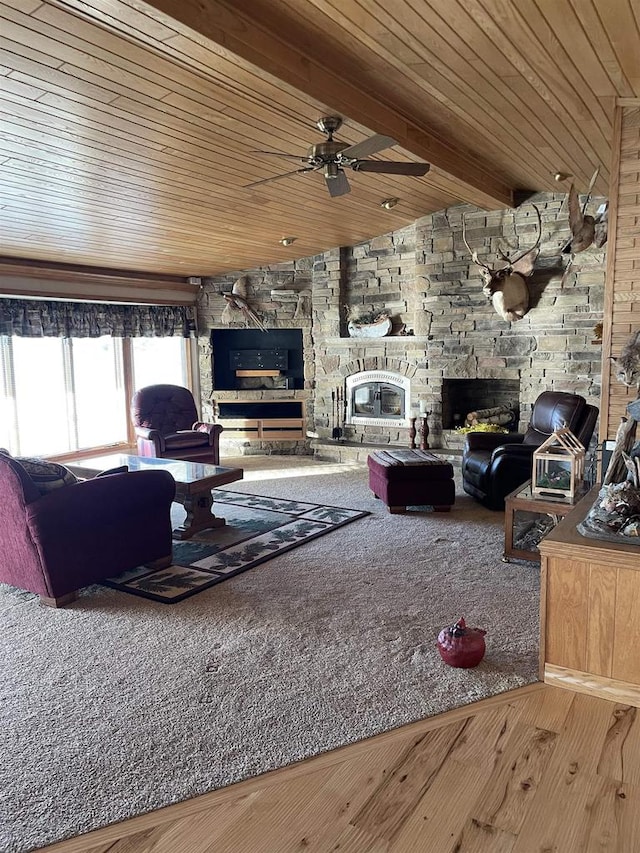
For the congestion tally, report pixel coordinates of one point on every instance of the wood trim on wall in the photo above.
(622, 292)
(23, 278)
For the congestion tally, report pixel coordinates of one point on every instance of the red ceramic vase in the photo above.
(461, 646)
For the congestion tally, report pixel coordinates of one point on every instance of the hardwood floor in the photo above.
(537, 769)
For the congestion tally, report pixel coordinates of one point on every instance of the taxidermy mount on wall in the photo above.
(237, 301)
(507, 287)
(627, 364)
(585, 229)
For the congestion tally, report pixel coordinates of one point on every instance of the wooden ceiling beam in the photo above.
(276, 53)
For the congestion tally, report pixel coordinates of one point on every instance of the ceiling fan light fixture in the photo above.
(389, 203)
(287, 241)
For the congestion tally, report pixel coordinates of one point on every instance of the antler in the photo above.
(535, 245)
(474, 255)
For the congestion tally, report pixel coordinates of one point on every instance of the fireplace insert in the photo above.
(377, 398)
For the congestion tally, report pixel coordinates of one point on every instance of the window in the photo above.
(98, 392)
(159, 360)
(59, 395)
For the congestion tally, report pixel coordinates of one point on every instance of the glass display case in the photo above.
(558, 466)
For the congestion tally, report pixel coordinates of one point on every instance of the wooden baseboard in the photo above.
(593, 685)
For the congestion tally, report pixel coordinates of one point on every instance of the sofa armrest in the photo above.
(491, 440)
(122, 469)
(214, 430)
(516, 452)
(151, 435)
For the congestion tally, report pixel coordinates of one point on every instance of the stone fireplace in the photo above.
(377, 398)
(446, 336)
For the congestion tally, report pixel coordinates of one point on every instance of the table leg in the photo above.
(199, 515)
(508, 532)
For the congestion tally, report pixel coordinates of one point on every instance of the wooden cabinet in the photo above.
(590, 611)
(262, 420)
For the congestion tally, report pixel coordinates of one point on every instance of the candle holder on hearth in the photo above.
(412, 433)
(423, 429)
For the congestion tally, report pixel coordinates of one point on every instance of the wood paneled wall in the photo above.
(622, 303)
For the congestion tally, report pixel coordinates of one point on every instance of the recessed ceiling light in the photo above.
(287, 241)
(389, 203)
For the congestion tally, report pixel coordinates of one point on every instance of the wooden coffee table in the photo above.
(194, 482)
(522, 500)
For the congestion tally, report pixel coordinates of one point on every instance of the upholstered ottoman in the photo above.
(403, 478)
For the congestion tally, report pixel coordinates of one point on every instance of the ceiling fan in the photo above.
(331, 158)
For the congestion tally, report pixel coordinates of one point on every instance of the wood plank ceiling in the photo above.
(128, 130)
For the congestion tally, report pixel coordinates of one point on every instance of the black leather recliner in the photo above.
(493, 465)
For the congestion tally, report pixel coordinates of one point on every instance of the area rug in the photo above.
(257, 528)
(118, 705)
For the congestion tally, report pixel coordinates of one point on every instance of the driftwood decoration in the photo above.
(507, 287)
(624, 442)
(633, 468)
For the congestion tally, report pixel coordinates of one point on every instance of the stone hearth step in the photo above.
(346, 451)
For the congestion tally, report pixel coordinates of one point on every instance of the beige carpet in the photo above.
(118, 705)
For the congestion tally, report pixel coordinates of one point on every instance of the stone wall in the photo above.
(443, 325)
(552, 347)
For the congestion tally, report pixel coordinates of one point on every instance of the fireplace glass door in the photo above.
(378, 400)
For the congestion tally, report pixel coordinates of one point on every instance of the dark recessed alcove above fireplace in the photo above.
(252, 359)
(461, 396)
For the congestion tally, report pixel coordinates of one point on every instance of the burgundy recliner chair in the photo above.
(493, 465)
(56, 543)
(167, 426)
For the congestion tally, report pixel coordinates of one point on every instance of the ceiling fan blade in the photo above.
(277, 177)
(391, 168)
(338, 185)
(368, 146)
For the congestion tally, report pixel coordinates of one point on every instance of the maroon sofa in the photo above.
(56, 543)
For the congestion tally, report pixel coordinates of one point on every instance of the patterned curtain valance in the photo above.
(41, 318)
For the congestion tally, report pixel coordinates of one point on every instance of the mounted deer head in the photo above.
(507, 287)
